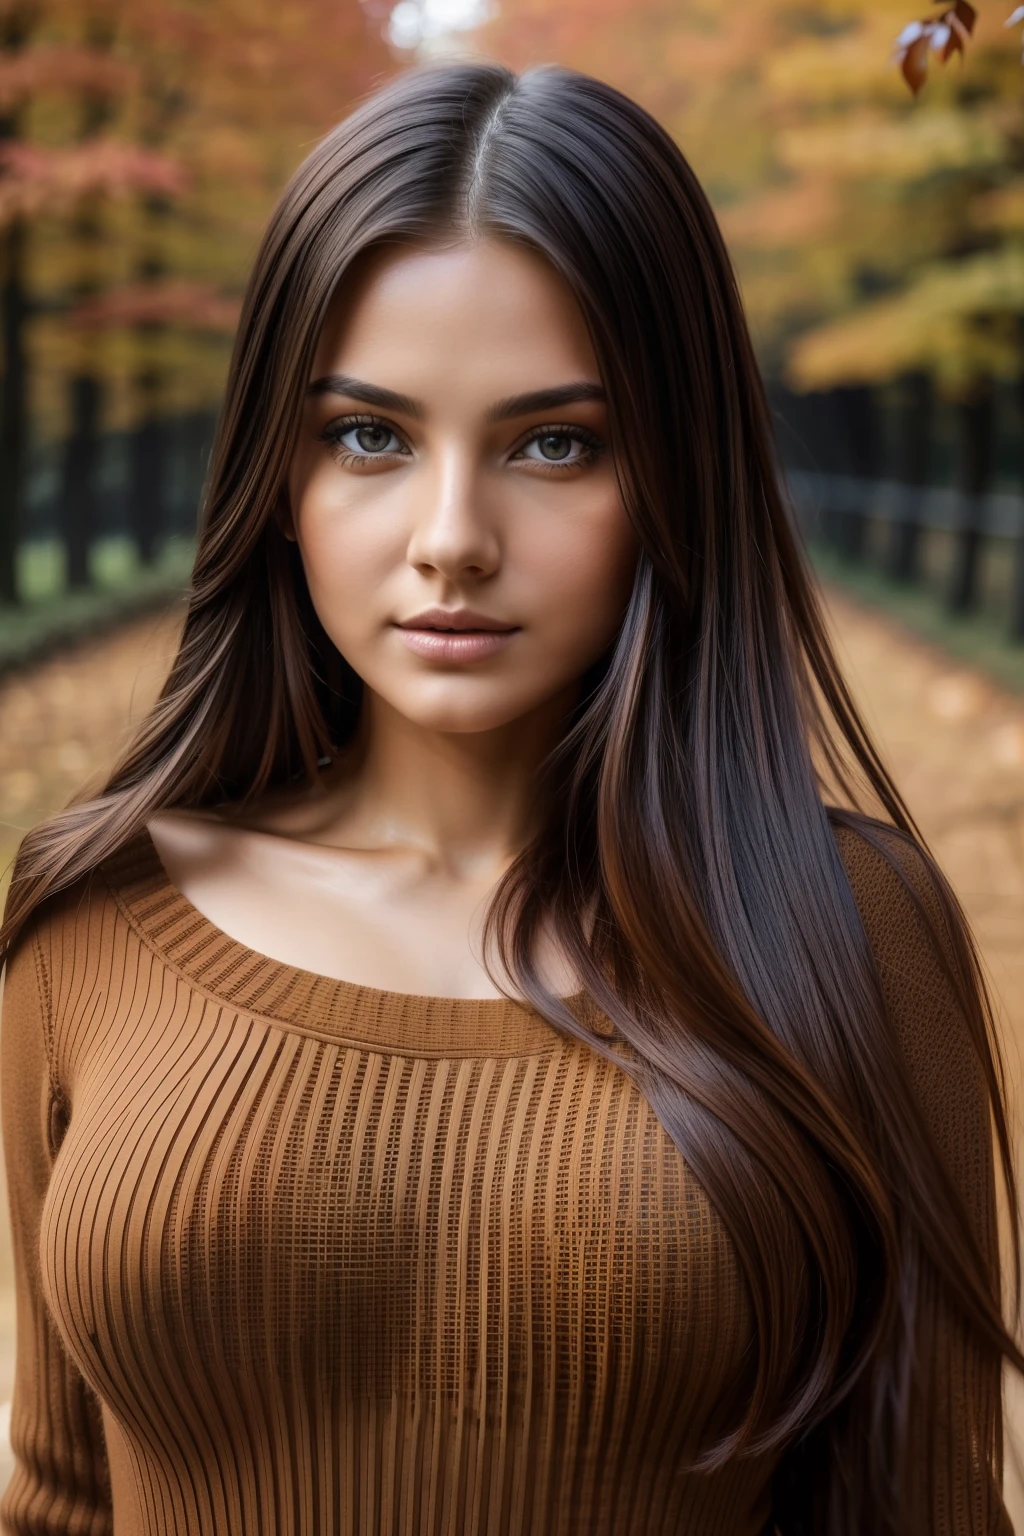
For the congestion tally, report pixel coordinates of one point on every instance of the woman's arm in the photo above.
(955, 1456)
(60, 1484)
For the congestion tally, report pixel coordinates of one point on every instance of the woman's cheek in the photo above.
(590, 579)
(347, 551)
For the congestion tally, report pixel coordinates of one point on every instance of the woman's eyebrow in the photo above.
(537, 400)
(546, 400)
(370, 394)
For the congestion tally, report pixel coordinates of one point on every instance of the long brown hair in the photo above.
(687, 798)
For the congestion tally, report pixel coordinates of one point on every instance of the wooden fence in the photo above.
(929, 493)
(143, 486)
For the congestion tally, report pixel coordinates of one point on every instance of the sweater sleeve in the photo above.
(60, 1483)
(955, 1442)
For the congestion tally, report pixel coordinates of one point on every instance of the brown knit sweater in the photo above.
(300, 1256)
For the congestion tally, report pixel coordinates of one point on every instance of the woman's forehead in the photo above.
(434, 308)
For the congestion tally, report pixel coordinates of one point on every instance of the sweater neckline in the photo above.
(305, 1000)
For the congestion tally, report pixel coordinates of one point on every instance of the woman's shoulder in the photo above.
(73, 927)
(930, 978)
(914, 923)
(890, 873)
(915, 926)
(72, 956)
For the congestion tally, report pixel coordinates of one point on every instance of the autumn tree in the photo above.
(144, 147)
(16, 23)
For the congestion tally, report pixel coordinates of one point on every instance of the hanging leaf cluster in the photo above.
(944, 35)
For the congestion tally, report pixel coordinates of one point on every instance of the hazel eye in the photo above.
(553, 447)
(559, 447)
(369, 437)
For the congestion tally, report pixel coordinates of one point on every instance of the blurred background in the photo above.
(879, 240)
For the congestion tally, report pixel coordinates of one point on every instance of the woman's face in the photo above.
(454, 456)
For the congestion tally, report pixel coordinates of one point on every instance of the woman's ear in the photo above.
(283, 516)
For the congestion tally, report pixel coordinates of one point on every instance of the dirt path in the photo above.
(63, 722)
(954, 741)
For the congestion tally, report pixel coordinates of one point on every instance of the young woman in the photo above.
(467, 1072)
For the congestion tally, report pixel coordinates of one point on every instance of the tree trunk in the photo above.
(15, 28)
(859, 448)
(976, 422)
(13, 405)
(147, 486)
(198, 430)
(80, 473)
(916, 424)
(79, 491)
(79, 494)
(1017, 610)
(150, 458)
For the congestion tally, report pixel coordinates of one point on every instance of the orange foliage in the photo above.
(25, 75)
(831, 184)
(784, 215)
(196, 306)
(145, 141)
(33, 178)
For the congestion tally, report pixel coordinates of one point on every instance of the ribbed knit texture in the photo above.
(300, 1256)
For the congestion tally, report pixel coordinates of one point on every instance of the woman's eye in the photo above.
(559, 447)
(554, 446)
(367, 439)
(374, 438)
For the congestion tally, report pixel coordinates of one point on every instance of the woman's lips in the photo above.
(456, 645)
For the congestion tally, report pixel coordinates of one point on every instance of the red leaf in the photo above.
(914, 63)
(955, 41)
(957, 27)
(965, 15)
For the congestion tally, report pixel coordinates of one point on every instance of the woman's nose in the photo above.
(451, 530)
